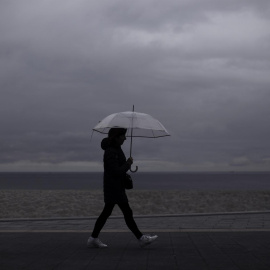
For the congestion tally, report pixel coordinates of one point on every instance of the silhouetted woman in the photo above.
(115, 168)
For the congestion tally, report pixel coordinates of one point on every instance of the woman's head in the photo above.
(117, 135)
(117, 132)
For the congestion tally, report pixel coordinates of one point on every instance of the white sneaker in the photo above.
(147, 240)
(95, 242)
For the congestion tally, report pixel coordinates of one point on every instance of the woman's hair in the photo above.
(116, 132)
(113, 134)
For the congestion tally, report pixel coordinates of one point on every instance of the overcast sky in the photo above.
(201, 67)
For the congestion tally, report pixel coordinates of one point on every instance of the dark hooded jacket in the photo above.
(115, 168)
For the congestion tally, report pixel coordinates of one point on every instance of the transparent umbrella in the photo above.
(137, 125)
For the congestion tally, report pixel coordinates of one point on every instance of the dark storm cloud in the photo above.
(200, 67)
(48, 147)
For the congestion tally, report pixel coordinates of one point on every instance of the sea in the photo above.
(142, 180)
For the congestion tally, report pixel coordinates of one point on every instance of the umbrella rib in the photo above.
(131, 132)
(153, 133)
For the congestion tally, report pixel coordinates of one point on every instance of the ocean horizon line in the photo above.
(141, 172)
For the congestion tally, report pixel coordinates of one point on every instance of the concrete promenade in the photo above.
(198, 241)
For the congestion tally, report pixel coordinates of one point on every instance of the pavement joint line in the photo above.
(137, 216)
(146, 230)
(85, 231)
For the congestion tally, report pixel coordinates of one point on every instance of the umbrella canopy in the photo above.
(137, 125)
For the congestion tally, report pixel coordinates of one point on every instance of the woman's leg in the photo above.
(107, 210)
(128, 215)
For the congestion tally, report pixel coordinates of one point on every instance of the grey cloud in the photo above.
(52, 148)
(200, 67)
(153, 15)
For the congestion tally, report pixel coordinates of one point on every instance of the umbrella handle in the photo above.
(134, 170)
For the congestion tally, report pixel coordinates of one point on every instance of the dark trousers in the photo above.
(128, 215)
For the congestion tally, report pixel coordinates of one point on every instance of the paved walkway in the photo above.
(203, 241)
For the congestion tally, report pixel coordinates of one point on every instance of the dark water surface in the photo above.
(147, 181)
